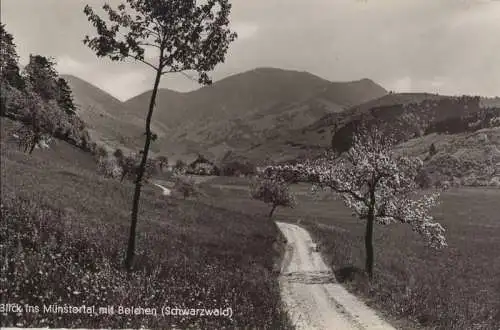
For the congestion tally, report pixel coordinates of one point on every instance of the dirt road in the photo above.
(312, 297)
(166, 191)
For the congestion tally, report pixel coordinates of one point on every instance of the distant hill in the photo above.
(232, 97)
(461, 159)
(409, 115)
(106, 117)
(239, 111)
(169, 104)
(490, 102)
(103, 114)
(349, 94)
(235, 113)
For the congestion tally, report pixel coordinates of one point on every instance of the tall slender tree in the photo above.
(187, 35)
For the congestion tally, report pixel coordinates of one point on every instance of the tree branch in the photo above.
(174, 54)
(148, 44)
(143, 61)
(154, 33)
(172, 71)
(350, 192)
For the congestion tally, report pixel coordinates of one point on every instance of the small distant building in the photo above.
(202, 166)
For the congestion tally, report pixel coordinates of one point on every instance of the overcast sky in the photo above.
(442, 46)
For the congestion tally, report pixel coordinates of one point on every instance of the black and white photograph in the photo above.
(264, 164)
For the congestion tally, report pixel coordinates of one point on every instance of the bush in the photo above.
(432, 150)
(180, 166)
(12, 101)
(118, 153)
(424, 180)
(186, 187)
(109, 167)
(273, 192)
(237, 168)
(100, 151)
(150, 169)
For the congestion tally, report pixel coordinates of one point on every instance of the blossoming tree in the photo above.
(273, 191)
(376, 185)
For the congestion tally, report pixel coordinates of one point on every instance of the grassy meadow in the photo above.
(63, 236)
(456, 288)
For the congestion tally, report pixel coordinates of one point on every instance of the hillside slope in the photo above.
(64, 236)
(464, 159)
(408, 115)
(106, 117)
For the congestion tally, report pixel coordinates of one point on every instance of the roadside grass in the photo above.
(63, 236)
(414, 286)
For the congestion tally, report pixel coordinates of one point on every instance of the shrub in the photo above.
(109, 167)
(118, 153)
(274, 192)
(432, 150)
(237, 168)
(186, 187)
(162, 162)
(180, 166)
(100, 151)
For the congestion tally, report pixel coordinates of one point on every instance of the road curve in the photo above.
(313, 298)
(166, 191)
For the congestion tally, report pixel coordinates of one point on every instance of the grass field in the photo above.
(456, 288)
(63, 235)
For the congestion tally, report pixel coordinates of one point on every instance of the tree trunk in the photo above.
(369, 235)
(36, 139)
(369, 245)
(27, 144)
(140, 173)
(272, 211)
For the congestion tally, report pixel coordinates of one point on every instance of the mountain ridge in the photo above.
(234, 112)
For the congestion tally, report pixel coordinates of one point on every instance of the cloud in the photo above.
(68, 65)
(150, 53)
(124, 85)
(245, 30)
(446, 46)
(116, 79)
(403, 84)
